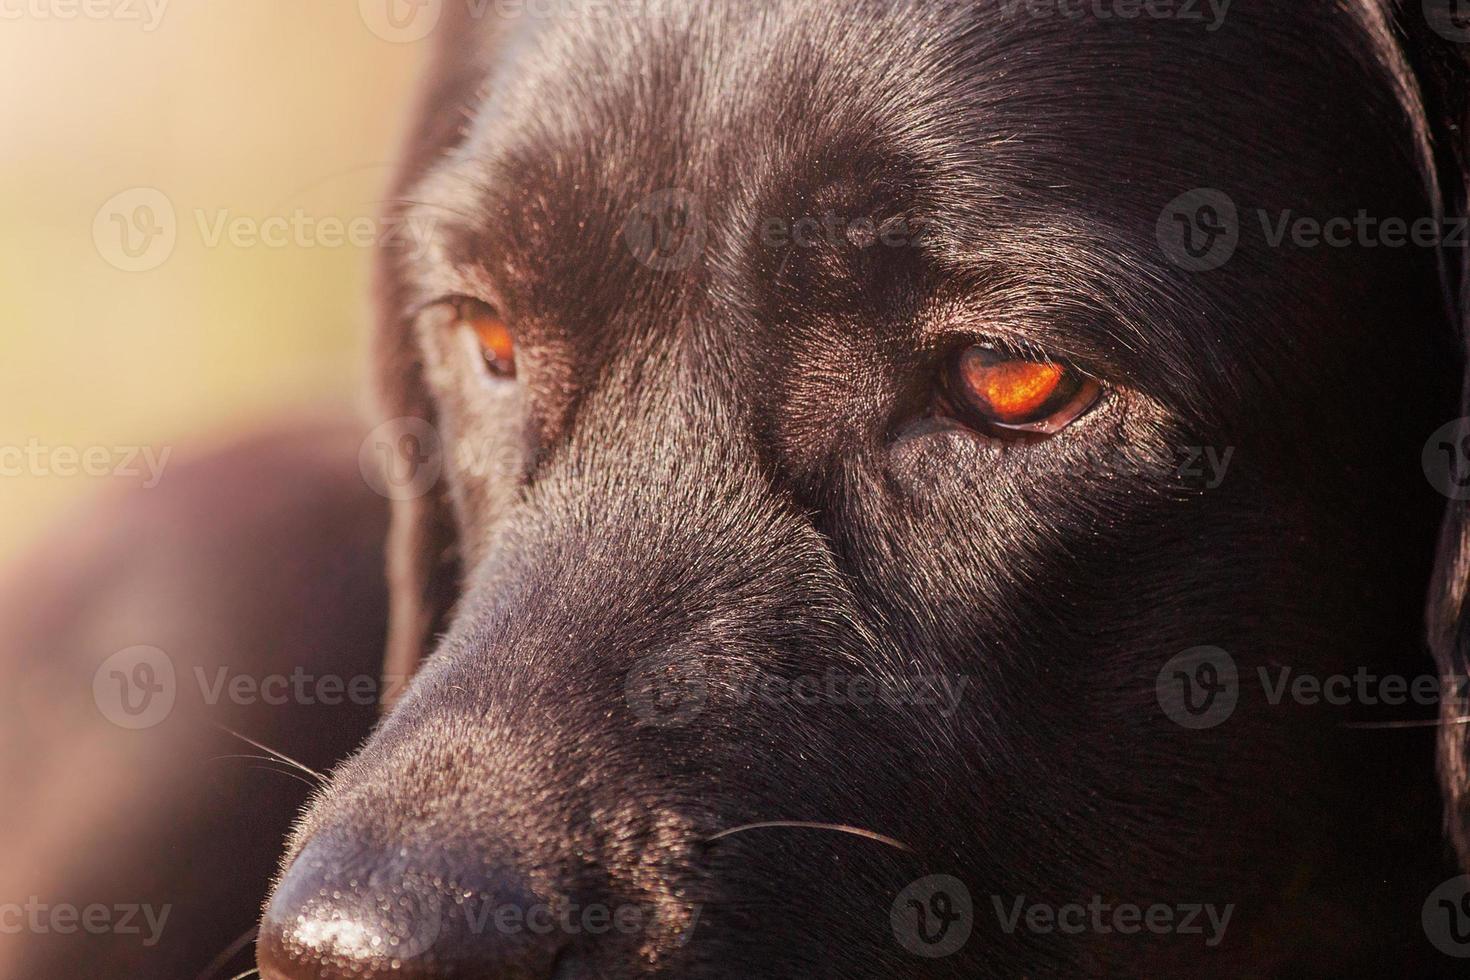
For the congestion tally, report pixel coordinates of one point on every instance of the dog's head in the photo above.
(881, 458)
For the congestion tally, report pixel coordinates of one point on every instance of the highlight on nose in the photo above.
(340, 912)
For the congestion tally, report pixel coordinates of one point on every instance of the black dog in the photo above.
(867, 467)
(848, 341)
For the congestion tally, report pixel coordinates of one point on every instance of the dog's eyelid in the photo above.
(1015, 346)
(1027, 321)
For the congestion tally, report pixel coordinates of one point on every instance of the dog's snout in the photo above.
(342, 911)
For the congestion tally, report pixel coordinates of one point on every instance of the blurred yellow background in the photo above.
(236, 112)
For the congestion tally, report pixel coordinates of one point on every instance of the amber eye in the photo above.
(1008, 395)
(496, 344)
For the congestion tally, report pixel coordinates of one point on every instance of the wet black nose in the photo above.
(345, 912)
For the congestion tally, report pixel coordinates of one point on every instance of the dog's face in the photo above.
(832, 437)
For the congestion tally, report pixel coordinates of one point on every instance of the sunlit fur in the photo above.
(728, 465)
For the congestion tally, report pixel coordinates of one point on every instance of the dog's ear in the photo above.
(423, 566)
(1437, 51)
(422, 554)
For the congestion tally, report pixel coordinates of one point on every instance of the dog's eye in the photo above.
(1013, 397)
(496, 344)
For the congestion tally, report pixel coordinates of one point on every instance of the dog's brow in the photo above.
(1091, 295)
(444, 213)
(1062, 285)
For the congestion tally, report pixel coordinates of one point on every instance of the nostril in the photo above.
(340, 913)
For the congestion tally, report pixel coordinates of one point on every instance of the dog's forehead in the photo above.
(625, 95)
(1051, 143)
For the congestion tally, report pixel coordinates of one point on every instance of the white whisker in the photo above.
(804, 825)
(283, 757)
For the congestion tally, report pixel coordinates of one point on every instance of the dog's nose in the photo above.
(341, 912)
